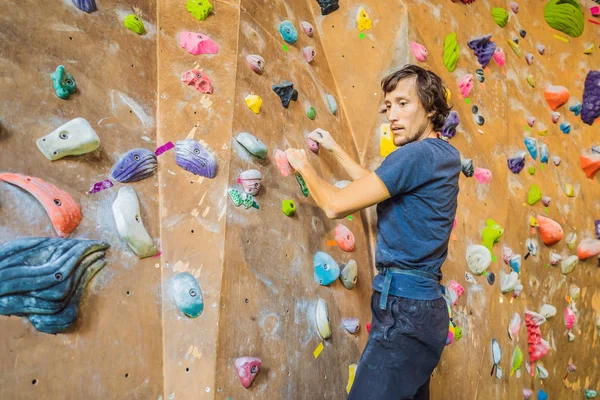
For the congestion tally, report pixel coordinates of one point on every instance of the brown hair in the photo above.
(430, 88)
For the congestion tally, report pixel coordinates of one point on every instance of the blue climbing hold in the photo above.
(327, 270)
(544, 153)
(542, 395)
(576, 109)
(288, 32)
(531, 145)
(565, 127)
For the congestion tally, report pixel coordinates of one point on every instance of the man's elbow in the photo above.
(333, 213)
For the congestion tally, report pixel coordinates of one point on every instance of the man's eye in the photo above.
(403, 103)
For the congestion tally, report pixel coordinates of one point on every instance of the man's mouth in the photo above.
(397, 129)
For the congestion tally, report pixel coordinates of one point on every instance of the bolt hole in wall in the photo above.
(126, 375)
(34, 382)
(192, 231)
(246, 300)
(187, 369)
(128, 293)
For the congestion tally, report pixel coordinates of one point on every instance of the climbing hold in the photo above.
(248, 201)
(515, 263)
(419, 51)
(531, 121)
(309, 53)
(550, 231)
(87, 6)
(64, 83)
(569, 319)
(531, 170)
(544, 153)
(590, 163)
(565, 127)
(44, 279)
(135, 165)
(514, 7)
(514, 326)
(556, 160)
(450, 124)
(478, 258)
(451, 52)
(282, 163)
(568, 265)
(288, 32)
(576, 109)
(538, 347)
(499, 56)
(197, 79)
(328, 6)
(546, 201)
(474, 109)
(496, 357)
(483, 176)
(479, 119)
(197, 43)
(254, 102)
(555, 116)
(352, 325)
(447, 95)
(531, 145)
(288, 207)
(326, 269)
(571, 240)
(556, 96)
(483, 49)
(591, 98)
(349, 274)
(527, 393)
(590, 394)
(200, 9)
(555, 258)
(193, 157)
(74, 138)
(589, 49)
(507, 253)
(313, 145)
(595, 11)
(491, 233)
(548, 311)
(251, 181)
(235, 196)
(126, 211)
(534, 195)
(134, 24)
(541, 49)
(530, 80)
(517, 162)
(500, 16)
(187, 294)
(332, 104)
(529, 58)
(252, 144)
(247, 368)
(523, 33)
(480, 75)
(256, 63)
(308, 28)
(363, 22)
(322, 319)
(286, 92)
(509, 282)
(569, 190)
(455, 290)
(517, 359)
(302, 184)
(515, 47)
(351, 375)
(565, 16)
(588, 248)
(467, 167)
(344, 238)
(465, 85)
(63, 211)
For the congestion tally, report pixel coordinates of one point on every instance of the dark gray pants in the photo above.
(404, 346)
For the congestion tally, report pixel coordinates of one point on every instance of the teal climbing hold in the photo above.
(288, 32)
(64, 83)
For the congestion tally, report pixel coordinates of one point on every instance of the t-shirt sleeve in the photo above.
(406, 168)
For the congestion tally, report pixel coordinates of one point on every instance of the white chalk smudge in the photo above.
(117, 98)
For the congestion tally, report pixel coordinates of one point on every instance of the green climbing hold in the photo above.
(247, 200)
(288, 207)
(199, 8)
(451, 52)
(311, 113)
(235, 196)
(534, 195)
(302, 184)
(500, 16)
(590, 394)
(491, 233)
(565, 16)
(64, 84)
(134, 23)
(457, 332)
(532, 170)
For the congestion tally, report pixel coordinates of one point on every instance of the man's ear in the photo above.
(431, 114)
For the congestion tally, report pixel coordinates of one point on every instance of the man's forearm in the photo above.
(352, 168)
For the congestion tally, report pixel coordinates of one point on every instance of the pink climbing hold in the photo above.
(456, 290)
(308, 28)
(344, 238)
(484, 176)
(419, 51)
(247, 368)
(465, 85)
(569, 318)
(531, 121)
(514, 7)
(282, 163)
(197, 43)
(499, 56)
(595, 10)
(313, 145)
(309, 53)
(555, 115)
(527, 393)
(197, 79)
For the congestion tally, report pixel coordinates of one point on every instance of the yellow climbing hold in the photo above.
(363, 22)
(386, 140)
(543, 132)
(515, 47)
(500, 16)
(589, 49)
(569, 190)
(134, 23)
(530, 80)
(534, 195)
(565, 16)
(448, 95)
(451, 52)
(351, 375)
(254, 102)
(533, 222)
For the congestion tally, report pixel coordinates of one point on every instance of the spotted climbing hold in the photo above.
(591, 98)
(288, 207)
(200, 9)
(252, 144)
(349, 274)
(534, 195)
(565, 16)
(247, 368)
(313, 145)
(197, 43)
(307, 28)
(256, 63)
(235, 196)
(556, 96)
(286, 92)
(590, 394)
(500, 16)
(311, 113)
(455, 290)
(254, 103)
(200, 81)
(483, 48)
(419, 51)
(288, 32)
(134, 24)
(327, 270)
(550, 231)
(531, 121)
(64, 83)
(451, 52)
(555, 116)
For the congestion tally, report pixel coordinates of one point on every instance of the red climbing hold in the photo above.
(247, 368)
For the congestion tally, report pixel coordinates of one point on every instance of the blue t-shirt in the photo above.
(414, 224)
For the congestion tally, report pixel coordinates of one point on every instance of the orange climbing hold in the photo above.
(556, 96)
(344, 238)
(588, 248)
(63, 211)
(550, 231)
(590, 163)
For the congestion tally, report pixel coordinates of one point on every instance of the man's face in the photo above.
(408, 119)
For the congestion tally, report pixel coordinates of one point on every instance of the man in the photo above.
(415, 189)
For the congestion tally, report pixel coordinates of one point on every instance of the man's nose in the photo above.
(393, 114)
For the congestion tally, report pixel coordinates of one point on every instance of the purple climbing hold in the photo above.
(328, 6)
(590, 109)
(164, 148)
(597, 228)
(517, 163)
(99, 186)
(449, 128)
(483, 49)
(193, 157)
(286, 92)
(135, 165)
(87, 6)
